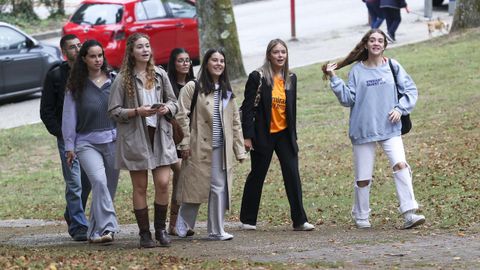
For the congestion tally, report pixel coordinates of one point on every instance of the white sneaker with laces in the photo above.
(363, 223)
(412, 220)
(222, 237)
(248, 227)
(304, 227)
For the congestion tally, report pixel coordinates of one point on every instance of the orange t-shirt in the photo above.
(279, 106)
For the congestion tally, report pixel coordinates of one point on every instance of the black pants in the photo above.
(260, 162)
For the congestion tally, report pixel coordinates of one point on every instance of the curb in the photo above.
(47, 35)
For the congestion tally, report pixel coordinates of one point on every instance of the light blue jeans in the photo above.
(77, 189)
(98, 162)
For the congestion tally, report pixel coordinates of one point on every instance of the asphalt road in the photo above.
(325, 30)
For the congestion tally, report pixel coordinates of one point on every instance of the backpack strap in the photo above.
(394, 77)
(194, 98)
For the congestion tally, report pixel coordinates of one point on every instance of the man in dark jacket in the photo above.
(51, 107)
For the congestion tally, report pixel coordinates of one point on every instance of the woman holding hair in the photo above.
(270, 126)
(180, 71)
(213, 139)
(141, 101)
(375, 111)
(90, 134)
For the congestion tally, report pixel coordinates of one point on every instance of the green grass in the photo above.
(442, 150)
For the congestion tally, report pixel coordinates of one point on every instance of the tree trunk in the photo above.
(467, 15)
(217, 28)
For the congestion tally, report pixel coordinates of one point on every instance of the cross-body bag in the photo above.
(406, 122)
(256, 102)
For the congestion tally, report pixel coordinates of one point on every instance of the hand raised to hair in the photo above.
(331, 69)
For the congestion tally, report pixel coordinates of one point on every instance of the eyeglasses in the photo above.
(184, 61)
(74, 46)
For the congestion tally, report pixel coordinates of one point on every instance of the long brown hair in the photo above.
(128, 66)
(205, 80)
(359, 53)
(266, 68)
(79, 73)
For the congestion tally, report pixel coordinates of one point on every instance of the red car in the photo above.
(169, 23)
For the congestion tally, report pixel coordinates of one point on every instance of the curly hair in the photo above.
(79, 73)
(128, 65)
(359, 53)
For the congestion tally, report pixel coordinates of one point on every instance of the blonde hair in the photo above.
(128, 66)
(266, 68)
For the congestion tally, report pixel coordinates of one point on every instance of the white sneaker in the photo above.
(222, 237)
(304, 227)
(181, 227)
(412, 220)
(248, 227)
(363, 223)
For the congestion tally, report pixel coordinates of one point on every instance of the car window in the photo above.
(11, 39)
(140, 12)
(98, 14)
(181, 9)
(154, 9)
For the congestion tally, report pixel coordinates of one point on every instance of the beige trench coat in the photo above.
(195, 176)
(133, 148)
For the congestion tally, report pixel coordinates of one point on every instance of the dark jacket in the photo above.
(256, 121)
(393, 4)
(51, 104)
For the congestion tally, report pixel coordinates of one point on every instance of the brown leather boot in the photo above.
(143, 222)
(159, 222)
(173, 218)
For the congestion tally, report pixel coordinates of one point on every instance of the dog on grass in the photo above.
(437, 25)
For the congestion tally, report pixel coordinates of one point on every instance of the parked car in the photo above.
(24, 62)
(169, 23)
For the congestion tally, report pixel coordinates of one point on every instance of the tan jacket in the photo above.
(195, 177)
(133, 148)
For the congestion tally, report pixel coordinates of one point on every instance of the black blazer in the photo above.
(256, 122)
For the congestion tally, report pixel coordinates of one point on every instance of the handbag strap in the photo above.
(194, 98)
(394, 77)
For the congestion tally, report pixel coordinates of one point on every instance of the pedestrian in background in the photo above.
(391, 12)
(77, 186)
(213, 140)
(90, 134)
(375, 13)
(145, 136)
(180, 71)
(269, 125)
(375, 111)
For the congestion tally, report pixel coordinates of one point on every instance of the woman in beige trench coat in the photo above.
(144, 134)
(213, 140)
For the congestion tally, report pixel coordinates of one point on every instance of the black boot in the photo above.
(159, 222)
(143, 222)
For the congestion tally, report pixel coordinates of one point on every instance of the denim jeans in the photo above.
(77, 188)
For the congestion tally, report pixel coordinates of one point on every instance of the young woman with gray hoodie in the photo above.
(375, 111)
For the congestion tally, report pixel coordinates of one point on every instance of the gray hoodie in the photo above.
(371, 95)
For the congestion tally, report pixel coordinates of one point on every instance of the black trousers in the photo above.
(393, 18)
(260, 162)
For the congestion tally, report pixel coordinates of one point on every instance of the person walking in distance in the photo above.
(375, 112)
(90, 134)
(391, 12)
(269, 125)
(141, 102)
(77, 186)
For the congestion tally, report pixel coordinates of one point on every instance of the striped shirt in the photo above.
(217, 132)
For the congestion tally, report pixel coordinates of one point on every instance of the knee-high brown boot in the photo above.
(160, 224)
(173, 217)
(143, 222)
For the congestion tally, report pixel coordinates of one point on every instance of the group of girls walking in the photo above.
(125, 122)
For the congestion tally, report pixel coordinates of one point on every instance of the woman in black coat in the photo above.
(268, 123)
